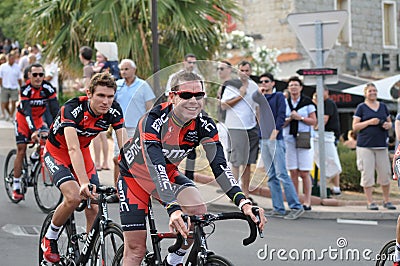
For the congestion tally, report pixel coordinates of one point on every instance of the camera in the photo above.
(381, 122)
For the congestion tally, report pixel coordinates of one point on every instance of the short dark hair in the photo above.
(226, 63)
(35, 65)
(86, 52)
(183, 77)
(189, 55)
(102, 79)
(267, 75)
(244, 62)
(295, 78)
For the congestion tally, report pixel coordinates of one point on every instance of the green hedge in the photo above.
(350, 176)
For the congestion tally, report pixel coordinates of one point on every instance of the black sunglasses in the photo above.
(220, 68)
(264, 81)
(186, 95)
(37, 74)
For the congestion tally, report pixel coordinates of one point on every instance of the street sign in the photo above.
(310, 75)
(317, 71)
(303, 25)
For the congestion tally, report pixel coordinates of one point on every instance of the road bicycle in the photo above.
(98, 247)
(34, 174)
(199, 253)
(386, 256)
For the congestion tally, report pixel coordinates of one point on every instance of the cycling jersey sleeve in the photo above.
(215, 156)
(26, 108)
(155, 161)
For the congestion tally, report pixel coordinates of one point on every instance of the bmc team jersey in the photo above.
(77, 113)
(33, 102)
(150, 159)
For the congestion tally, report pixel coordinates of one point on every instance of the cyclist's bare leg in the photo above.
(70, 191)
(134, 247)
(21, 150)
(192, 204)
(398, 230)
(91, 216)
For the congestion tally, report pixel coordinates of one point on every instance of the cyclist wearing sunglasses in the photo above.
(149, 166)
(35, 97)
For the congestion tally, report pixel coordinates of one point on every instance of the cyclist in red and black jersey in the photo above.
(35, 97)
(67, 155)
(149, 166)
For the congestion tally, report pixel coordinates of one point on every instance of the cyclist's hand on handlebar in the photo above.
(247, 209)
(177, 224)
(85, 192)
(35, 136)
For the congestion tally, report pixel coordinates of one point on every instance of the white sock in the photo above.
(52, 231)
(16, 183)
(176, 257)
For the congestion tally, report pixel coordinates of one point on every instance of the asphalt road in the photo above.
(327, 242)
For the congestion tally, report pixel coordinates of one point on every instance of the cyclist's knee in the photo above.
(134, 250)
(71, 200)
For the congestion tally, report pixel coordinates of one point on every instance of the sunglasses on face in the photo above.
(220, 68)
(186, 95)
(38, 74)
(265, 81)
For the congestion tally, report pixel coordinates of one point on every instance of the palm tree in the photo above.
(184, 26)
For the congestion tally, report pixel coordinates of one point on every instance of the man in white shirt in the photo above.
(10, 82)
(242, 125)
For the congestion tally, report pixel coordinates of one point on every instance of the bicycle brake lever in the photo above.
(257, 214)
(89, 200)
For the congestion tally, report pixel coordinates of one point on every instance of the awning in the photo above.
(388, 88)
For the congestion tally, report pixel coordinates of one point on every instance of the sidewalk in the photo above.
(218, 202)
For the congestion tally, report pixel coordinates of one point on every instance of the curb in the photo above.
(323, 209)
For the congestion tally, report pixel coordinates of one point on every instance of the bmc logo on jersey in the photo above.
(114, 112)
(159, 122)
(48, 87)
(76, 111)
(175, 153)
(132, 151)
(207, 125)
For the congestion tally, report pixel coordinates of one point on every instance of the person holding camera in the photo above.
(372, 122)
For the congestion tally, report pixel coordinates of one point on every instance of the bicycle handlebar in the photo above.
(105, 190)
(208, 218)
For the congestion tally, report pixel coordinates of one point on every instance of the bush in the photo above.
(350, 176)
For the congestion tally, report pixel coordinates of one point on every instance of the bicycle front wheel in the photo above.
(9, 174)
(119, 257)
(47, 195)
(386, 255)
(113, 240)
(64, 242)
(216, 260)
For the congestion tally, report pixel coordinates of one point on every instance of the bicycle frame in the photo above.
(100, 223)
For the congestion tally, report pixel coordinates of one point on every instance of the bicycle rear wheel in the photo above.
(47, 195)
(113, 240)
(386, 255)
(9, 174)
(63, 241)
(216, 260)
